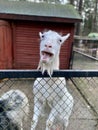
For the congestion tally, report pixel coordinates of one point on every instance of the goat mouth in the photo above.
(47, 54)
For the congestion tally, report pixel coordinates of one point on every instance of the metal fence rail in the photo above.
(82, 84)
(36, 74)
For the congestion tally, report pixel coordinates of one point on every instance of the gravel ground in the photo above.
(80, 62)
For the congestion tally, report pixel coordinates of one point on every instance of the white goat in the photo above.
(51, 90)
(14, 108)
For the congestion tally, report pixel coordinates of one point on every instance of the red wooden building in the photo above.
(20, 24)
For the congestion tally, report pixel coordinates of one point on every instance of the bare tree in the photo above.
(78, 26)
(95, 25)
(72, 2)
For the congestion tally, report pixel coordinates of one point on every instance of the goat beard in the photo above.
(46, 67)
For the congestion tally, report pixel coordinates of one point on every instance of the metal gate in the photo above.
(83, 86)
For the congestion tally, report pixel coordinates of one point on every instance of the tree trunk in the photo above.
(72, 2)
(94, 27)
(78, 26)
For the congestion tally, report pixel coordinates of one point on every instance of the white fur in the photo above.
(16, 107)
(53, 41)
(51, 91)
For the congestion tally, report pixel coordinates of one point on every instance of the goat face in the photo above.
(50, 46)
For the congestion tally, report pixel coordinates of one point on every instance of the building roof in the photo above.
(23, 10)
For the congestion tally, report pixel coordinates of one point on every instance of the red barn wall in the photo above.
(19, 43)
(26, 43)
(5, 45)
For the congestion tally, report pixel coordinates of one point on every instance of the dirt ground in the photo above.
(83, 117)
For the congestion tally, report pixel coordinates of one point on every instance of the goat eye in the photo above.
(42, 36)
(60, 40)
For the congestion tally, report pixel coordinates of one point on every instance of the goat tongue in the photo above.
(45, 56)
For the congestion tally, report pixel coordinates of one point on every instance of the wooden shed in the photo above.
(20, 24)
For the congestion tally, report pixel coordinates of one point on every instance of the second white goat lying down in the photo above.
(51, 90)
(14, 108)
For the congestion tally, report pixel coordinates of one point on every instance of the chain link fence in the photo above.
(17, 110)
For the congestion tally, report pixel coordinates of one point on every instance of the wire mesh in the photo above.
(84, 115)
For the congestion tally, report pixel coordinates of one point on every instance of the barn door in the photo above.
(26, 46)
(5, 45)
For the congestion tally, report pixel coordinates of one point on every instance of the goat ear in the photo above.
(40, 34)
(64, 38)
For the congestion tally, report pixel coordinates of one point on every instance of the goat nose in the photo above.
(48, 45)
